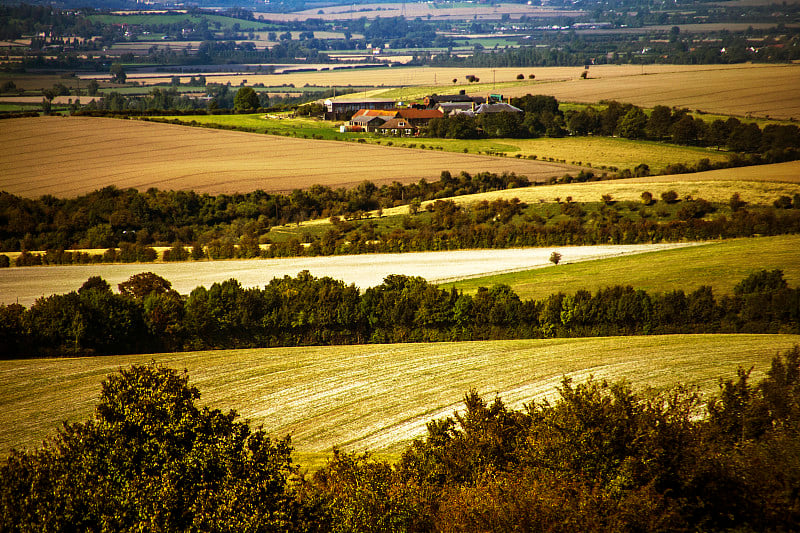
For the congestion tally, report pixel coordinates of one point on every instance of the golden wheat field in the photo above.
(743, 90)
(376, 397)
(69, 156)
(456, 11)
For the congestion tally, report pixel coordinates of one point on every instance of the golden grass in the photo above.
(375, 397)
(758, 185)
(69, 156)
(721, 264)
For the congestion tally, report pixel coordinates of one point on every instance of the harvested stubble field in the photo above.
(744, 90)
(376, 397)
(69, 156)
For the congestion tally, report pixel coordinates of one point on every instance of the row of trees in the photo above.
(445, 225)
(147, 315)
(602, 457)
(110, 216)
(542, 117)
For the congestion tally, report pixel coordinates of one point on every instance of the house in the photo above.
(397, 126)
(485, 109)
(498, 107)
(367, 122)
(405, 121)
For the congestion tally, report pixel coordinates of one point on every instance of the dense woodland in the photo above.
(600, 458)
(147, 315)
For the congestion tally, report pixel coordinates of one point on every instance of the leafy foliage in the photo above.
(150, 459)
(600, 458)
(148, 315)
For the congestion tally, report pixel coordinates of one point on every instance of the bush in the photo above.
(669, 197)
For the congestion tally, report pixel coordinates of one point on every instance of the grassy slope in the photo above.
(375, 396)
(720, 264)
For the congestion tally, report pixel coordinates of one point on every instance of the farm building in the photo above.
(448, 108)
(368, 122)
(461, 98)
(340, 106)
(498, 107)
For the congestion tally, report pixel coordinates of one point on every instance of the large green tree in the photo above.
(246, 100)
(150, 460)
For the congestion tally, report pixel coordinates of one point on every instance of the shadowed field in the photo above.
(376, 397)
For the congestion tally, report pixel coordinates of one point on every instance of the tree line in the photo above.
(542, 116)
(110, 216)
(127, 223)
(601, 457)
(147, 315)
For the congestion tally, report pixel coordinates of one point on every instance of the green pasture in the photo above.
(173, 18)
(275, 124)
(720, 264)
(375, 397)
(597, 152)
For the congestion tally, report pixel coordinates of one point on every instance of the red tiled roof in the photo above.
(375, 112)
(413, 114)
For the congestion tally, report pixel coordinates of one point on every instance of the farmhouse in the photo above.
(405, 121)
(397, 126)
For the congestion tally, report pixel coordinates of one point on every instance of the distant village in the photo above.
(387, 117)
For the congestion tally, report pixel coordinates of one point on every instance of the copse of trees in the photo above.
(600, 457)
(148, 316)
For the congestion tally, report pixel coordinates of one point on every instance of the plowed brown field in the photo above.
(69, 156)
